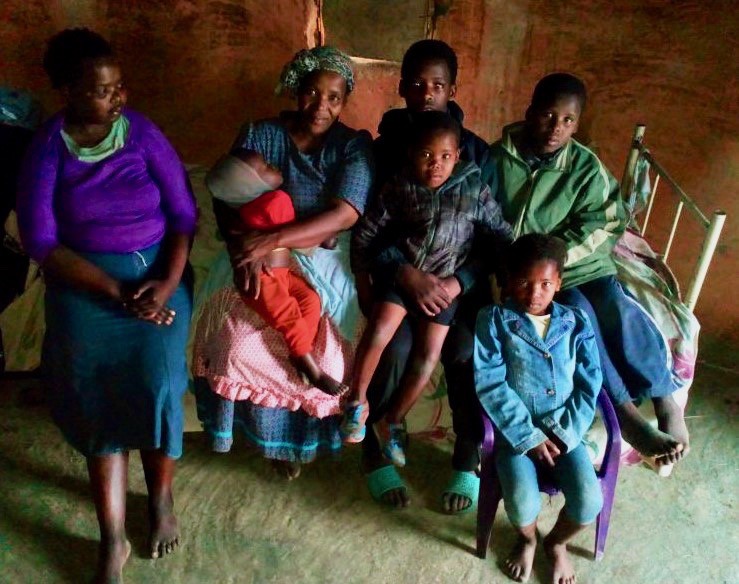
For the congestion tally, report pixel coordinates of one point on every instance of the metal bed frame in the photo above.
(712, 226)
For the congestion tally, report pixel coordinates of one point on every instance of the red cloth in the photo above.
(268, 210)
(290, 306)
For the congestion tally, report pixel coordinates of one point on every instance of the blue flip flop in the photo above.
(384, 480)
(466, 484)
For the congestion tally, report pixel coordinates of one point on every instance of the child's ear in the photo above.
(401, 88)
(452, 91)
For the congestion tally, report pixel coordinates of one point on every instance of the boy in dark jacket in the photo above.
(431, 210)
(428, 82)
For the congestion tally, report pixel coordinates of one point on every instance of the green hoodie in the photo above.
(572, 196)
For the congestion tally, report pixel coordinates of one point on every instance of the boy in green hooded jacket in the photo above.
(547, 182)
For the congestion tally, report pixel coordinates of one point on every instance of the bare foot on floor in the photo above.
(563, 571)
(111, 559)
(287, 469)
(518, 564)
(647, 440)
(670, 419)
(164, 536)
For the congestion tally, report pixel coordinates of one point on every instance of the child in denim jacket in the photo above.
(537, 376)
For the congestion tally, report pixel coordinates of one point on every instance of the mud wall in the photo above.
(201, 67)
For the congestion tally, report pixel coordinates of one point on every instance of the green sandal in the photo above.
(465, 484)
(384, 480)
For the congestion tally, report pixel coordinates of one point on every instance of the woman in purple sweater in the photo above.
(105, 207)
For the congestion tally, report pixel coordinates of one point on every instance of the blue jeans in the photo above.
(633, 355)
(573, 473)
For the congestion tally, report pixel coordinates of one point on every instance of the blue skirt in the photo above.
(117, 382)
(277, 433)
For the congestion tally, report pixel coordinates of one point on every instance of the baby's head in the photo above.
(556, 105)
(535, 262)
(240, 177)
(271, 175)
(428, 76)
(434, 147)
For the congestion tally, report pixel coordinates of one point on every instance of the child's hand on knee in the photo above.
(545, 452)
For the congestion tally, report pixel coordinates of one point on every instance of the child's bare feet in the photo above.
(313, 374)
(112, 556)
(521, 559)
(287, 469)
(647, 440)
(670, 419)
(562, 570)
(164, 534)
(329, 385)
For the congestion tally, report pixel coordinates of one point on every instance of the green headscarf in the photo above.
(317, 59)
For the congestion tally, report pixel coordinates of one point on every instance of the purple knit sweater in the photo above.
(123, 203)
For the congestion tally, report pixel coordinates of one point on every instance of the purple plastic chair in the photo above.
(490, 492)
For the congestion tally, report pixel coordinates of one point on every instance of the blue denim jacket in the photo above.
(534, 388)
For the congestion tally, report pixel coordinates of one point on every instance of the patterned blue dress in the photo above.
(341, 169)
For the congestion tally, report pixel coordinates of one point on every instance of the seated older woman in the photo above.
(244, 377)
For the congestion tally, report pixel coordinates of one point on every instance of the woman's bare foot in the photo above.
(563, 571)
(519, 562)
(287, 469)
(647, 440)
(112, 557)
(164, 534)
(670, 419)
